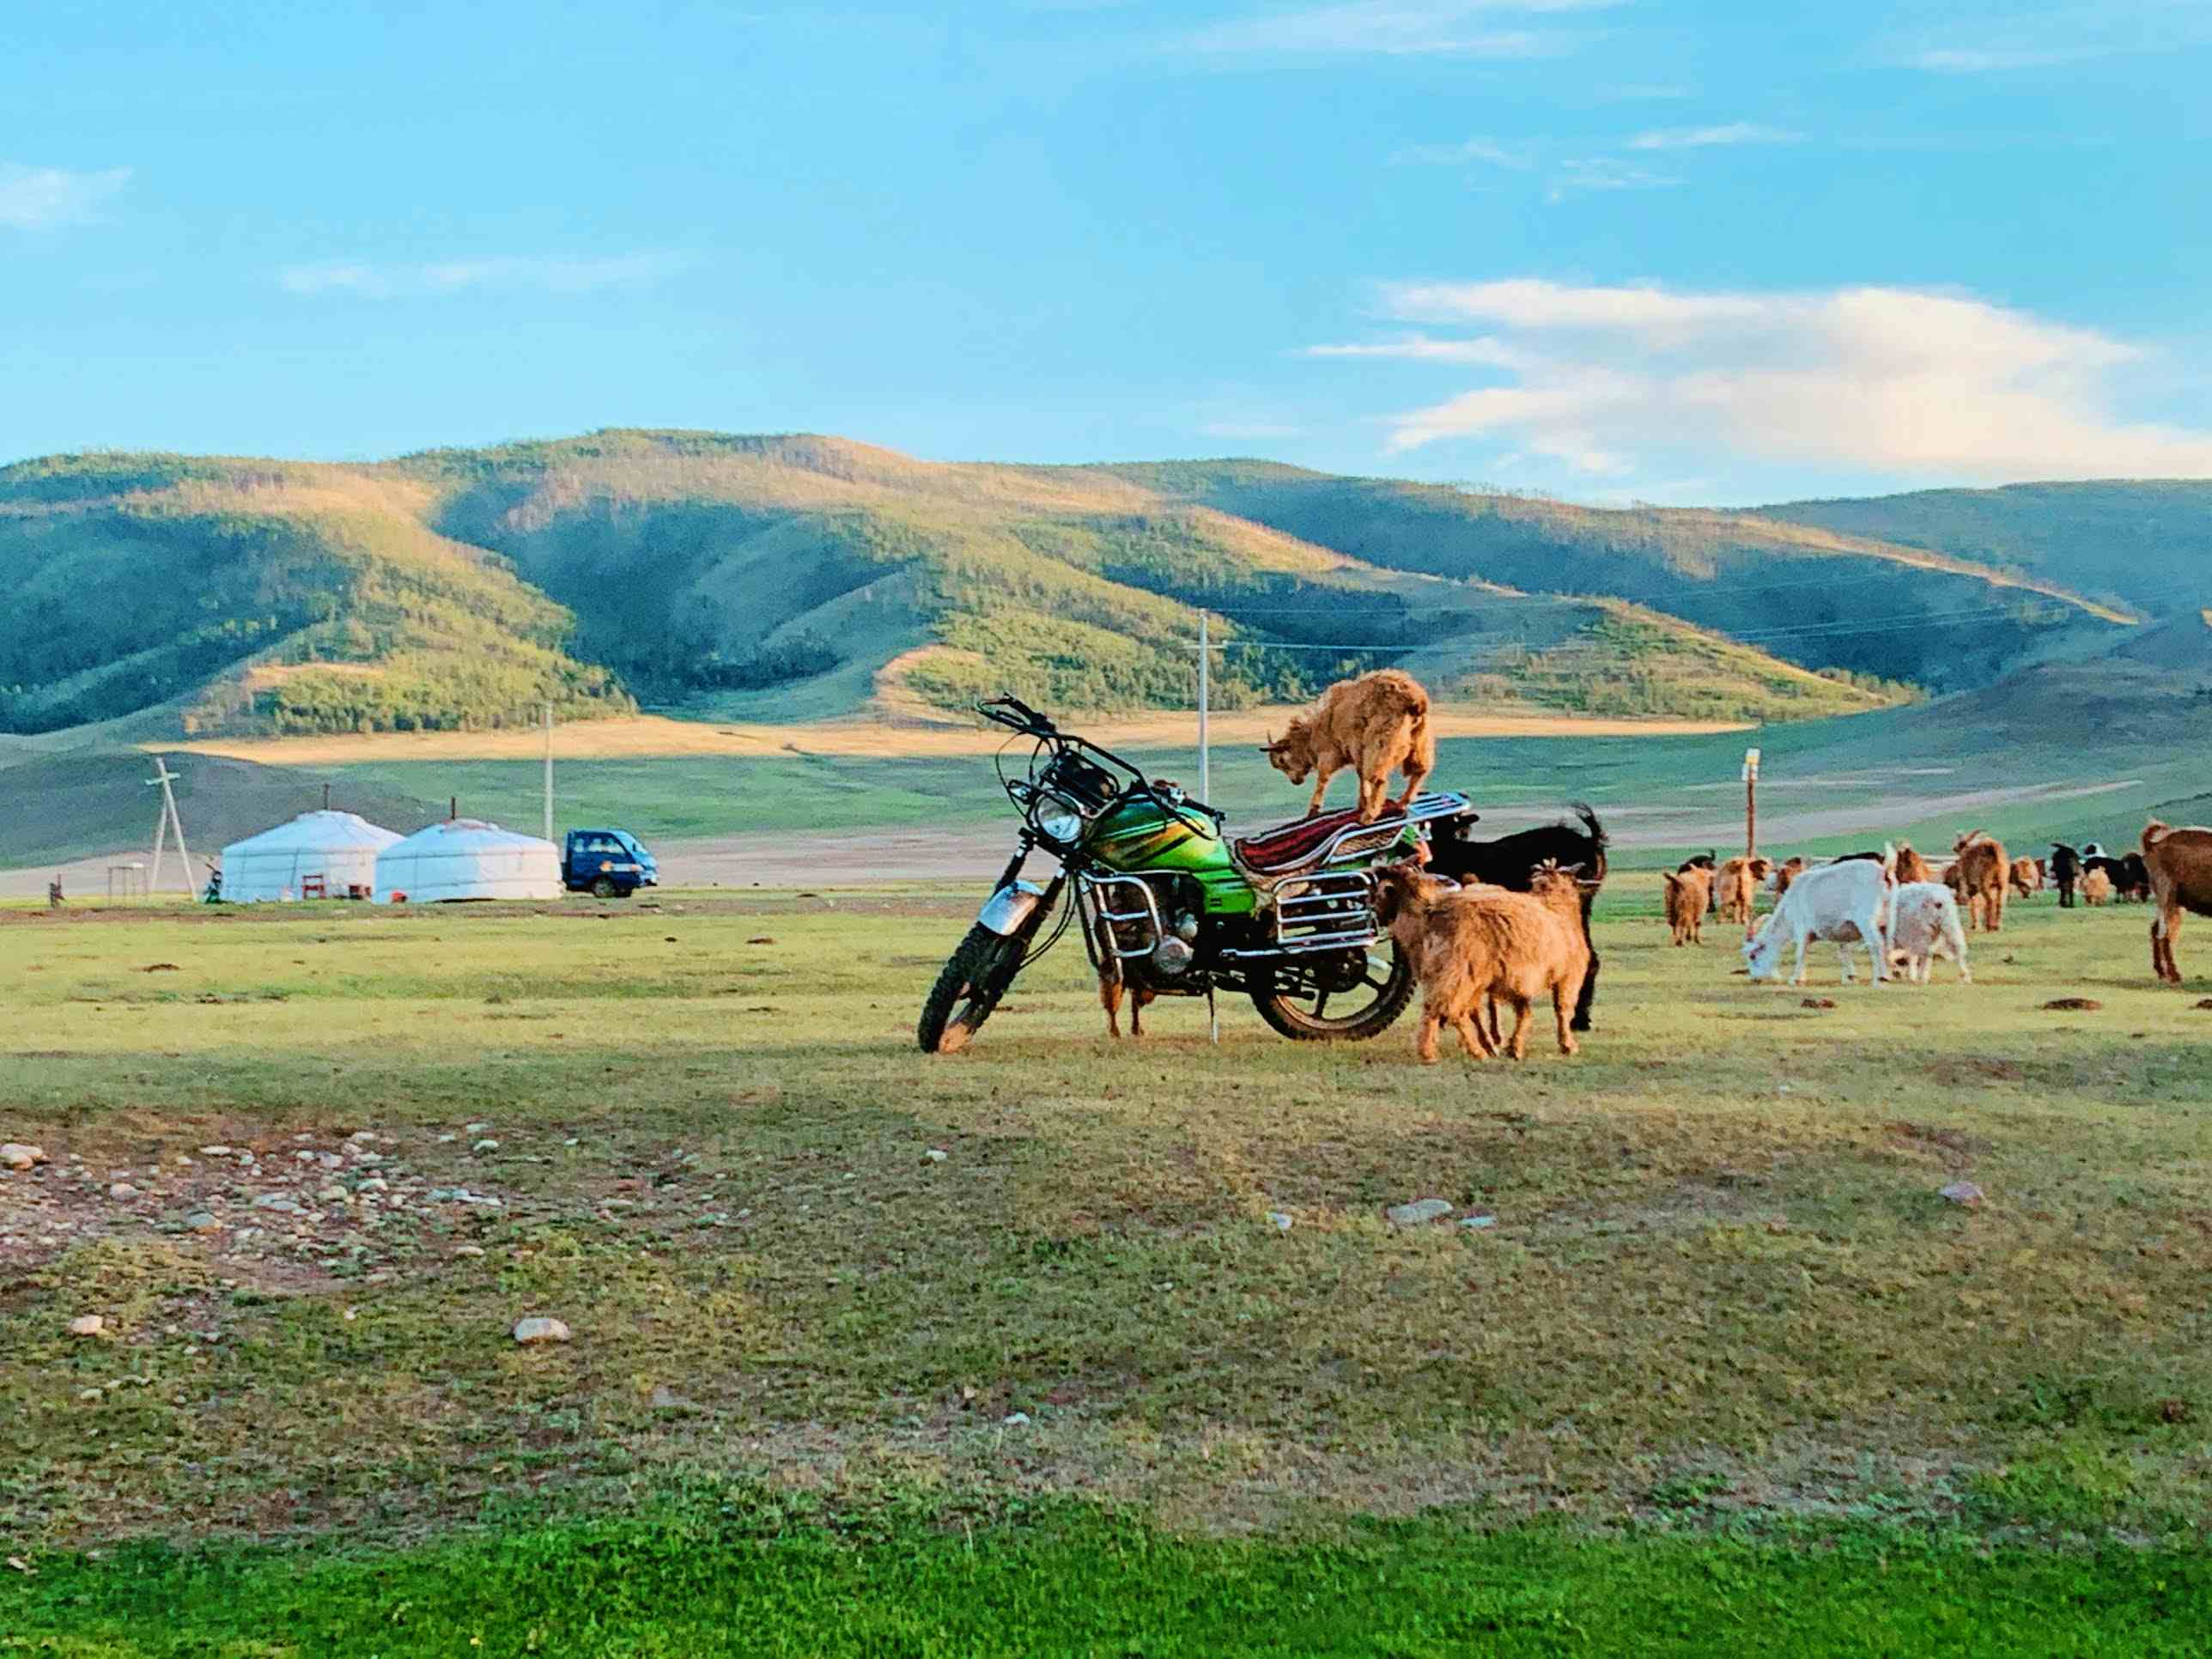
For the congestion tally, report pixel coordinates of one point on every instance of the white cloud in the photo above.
(508, 273)
(1465, 153)
(1395, 28)
(1611, 380)
(1982, 60)
(1735, 132)
(40, 198)
(1604, 172)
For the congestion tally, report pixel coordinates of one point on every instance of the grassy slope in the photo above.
(1802, 592)
(1071, 586)
(2146, 543)
(255, 595)
(762, 1574)
(1701, 1292)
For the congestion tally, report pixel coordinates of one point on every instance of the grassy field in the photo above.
(1720, 1294)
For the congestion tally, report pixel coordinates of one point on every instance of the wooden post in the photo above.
(1204, 753)
(1751, 803)
(549, 771)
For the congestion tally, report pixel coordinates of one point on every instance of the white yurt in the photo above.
(316, 856)
(467, 858)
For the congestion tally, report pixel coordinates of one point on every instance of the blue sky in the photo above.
(1614, 251)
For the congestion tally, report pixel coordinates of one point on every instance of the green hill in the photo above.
(1806, 593)
(265, 596)
(2146, 545)
(800, 577)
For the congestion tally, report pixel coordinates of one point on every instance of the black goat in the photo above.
(1704, 861)
(1511, 861)
(2065, 871)
(2129, 874)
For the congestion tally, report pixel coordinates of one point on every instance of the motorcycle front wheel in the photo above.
(1342, 1008)
(976, 977)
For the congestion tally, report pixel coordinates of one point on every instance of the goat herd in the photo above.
(1507, 920)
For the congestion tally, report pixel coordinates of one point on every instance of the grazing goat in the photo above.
(1688, 891)
(1376, 724)
(1486, 943)
(2027, 878)
(1923, 923)
(2096, 886)
(2065, 871)
(1983, 870)
(1911, 866)
(1837, 901)
(1512, 861)
(1736, 885)
(1785, 873)
(2134, 878)
(2179, 863)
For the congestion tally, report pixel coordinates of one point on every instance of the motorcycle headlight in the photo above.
(1057, 822)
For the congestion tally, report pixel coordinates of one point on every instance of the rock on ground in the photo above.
(1413, 1214)
(529, 1332)
(1963, 1192)
(20, 1155)
(87, 1325)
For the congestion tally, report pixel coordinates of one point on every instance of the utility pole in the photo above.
(549, 771)
(1204, 687)
(164, 779)
(1751, 803)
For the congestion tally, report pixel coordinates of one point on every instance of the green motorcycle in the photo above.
(1168, 903)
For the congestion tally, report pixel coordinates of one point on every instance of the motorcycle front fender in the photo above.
(1006, 911)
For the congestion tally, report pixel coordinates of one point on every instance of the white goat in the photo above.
(1842, 901)
(1923, 924)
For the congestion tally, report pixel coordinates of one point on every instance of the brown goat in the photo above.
(2027, 878)
(1479, 943)
(1374, 725)
(1687, 893)
(1785, 872)
(2181, 865)
(1911, 866)
(1737, 882)
(2096, 888)
(1983, 871)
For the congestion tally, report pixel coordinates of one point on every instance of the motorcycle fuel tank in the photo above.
(1137, 834)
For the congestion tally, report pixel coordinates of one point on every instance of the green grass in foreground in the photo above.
(761, 1579)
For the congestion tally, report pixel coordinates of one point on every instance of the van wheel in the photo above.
(604, 887)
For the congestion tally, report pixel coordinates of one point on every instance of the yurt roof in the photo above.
(452, 834)
(317, 831)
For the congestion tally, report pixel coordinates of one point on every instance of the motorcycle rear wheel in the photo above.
(1384, 989)
(976, 977)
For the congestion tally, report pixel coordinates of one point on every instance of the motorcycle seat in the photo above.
(1288, 847)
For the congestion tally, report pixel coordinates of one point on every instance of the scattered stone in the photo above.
(2075, 1005)
(333, 1195)
(21, 1155)
(1818, 1002)
(485, 1147)
(1964, 1193)
(1018, 1419)
(475, 1128)
(284, 1203)
(468, 1249)
(373, 1184)
(202, 1221)
(1479, 1222)
(665, 1399)
(121, 1190)
(87, 1325)
(91, 1395)
(1421, 1210)
(935, 1155)
(530, 1332)
(214, 1151)
(1278, 1221)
